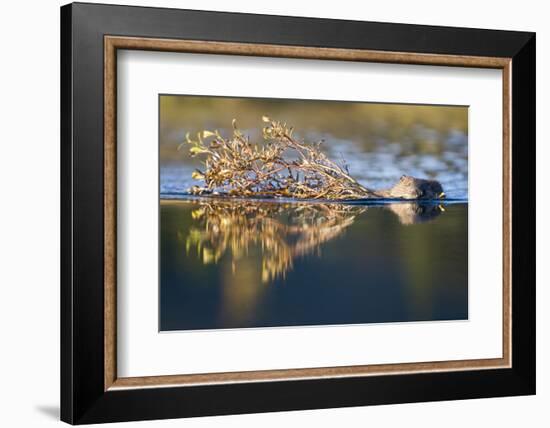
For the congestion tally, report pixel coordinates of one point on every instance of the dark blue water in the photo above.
(239, 264)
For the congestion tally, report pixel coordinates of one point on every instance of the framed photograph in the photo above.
(265, 213)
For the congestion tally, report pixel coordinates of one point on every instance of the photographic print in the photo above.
(289, 212)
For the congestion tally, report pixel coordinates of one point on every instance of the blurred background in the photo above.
(379, 142)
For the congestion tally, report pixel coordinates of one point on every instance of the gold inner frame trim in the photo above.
(113, 43)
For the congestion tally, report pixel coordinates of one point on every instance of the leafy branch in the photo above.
(279, 166)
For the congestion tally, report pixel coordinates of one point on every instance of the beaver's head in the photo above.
(416, 188)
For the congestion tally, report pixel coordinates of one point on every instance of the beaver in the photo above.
(407, 188)
(411, 188)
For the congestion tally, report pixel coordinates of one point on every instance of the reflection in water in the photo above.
(242, 263)
(282, 232)
(413, 213)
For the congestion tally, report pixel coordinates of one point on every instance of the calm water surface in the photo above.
(237, 264)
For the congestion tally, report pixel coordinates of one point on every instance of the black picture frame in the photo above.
(83, 398)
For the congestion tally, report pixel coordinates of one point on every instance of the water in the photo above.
(379, 167)
(239, 264)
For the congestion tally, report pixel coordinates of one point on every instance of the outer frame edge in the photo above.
(521, 376)
(524, 215)
(66, 304)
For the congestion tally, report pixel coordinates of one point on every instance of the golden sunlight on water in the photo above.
(240, 292)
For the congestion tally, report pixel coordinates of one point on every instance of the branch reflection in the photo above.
(279, 232)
